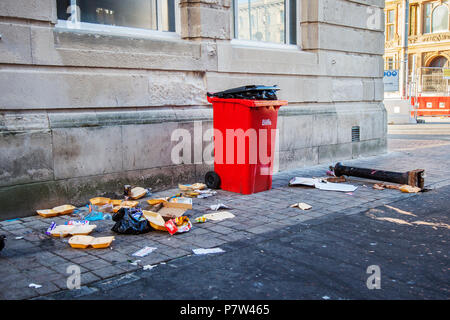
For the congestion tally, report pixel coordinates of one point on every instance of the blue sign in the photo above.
(391, 80)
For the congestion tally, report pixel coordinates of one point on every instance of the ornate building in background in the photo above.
(428, 40)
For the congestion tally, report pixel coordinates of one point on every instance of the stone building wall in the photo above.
(85, 112)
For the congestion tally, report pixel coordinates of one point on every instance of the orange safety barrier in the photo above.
(432, 106)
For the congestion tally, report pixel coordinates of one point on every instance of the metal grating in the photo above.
(355, 133)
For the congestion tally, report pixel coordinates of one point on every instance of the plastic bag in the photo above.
(94, 216)
(130, 221)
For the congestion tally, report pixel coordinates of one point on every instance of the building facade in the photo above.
(428, 42)
(91, 92)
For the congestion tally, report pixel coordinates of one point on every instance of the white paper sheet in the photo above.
(207, 251)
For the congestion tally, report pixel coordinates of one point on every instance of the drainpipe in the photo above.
(404, 65)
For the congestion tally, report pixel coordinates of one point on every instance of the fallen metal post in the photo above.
(413, 178)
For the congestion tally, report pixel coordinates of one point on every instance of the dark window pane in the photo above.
(293, 21)
(62, 9)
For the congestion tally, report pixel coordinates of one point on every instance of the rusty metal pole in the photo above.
(413, 178)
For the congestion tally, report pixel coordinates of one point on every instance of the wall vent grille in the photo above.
(355, 134)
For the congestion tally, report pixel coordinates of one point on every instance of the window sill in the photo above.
(263, 45)
(108, 30)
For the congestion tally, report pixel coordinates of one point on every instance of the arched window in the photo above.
(438, 62)
(440, 19)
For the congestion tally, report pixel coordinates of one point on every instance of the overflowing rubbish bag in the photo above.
(252, 92)
(130, 221)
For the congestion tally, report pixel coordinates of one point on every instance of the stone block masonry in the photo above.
(84, 111)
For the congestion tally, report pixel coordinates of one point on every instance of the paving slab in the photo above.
(259, 217)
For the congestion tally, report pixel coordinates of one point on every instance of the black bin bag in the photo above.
(128, 222)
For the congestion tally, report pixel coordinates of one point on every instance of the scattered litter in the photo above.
(337, 179)
(207, 251)
(171, 208)
(94, 216)
(408, 189)
(153, 202)
(33, 285)
(303, 181)
(403, 188)
(301, 205)
(65, 230)
(84, 241)
(191, 187)
(329, 186)
(130, 221)
(378, 186)
(49, 229)
(171, 212)
(201, 219)
(137, 193)
(400, 211)
(205, 193)
(219, 206)
(155, 219)
(107, 208)
(319, 184)
(100, 201)
(179, 202)
(349, 193)
(218, 216)
(19, 238)
(326, 298)
(144, 251)
(148, 267)
(134, 263)
(178, 225)
(56, 211)
(77, 222)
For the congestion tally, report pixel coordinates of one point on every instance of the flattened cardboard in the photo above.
(179, 202)
(171, 213)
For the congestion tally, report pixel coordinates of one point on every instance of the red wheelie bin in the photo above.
(244, 144)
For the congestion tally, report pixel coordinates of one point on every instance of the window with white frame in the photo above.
(266, 20)
(436, 17)
(144, 14)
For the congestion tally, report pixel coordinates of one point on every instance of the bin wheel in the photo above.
(212, 180)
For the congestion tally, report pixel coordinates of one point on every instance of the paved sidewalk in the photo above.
(39, 259)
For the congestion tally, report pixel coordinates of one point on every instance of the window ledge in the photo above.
(263, 45)
(108, 30)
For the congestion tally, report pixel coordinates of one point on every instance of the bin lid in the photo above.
(251, 103)
(252, 92)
